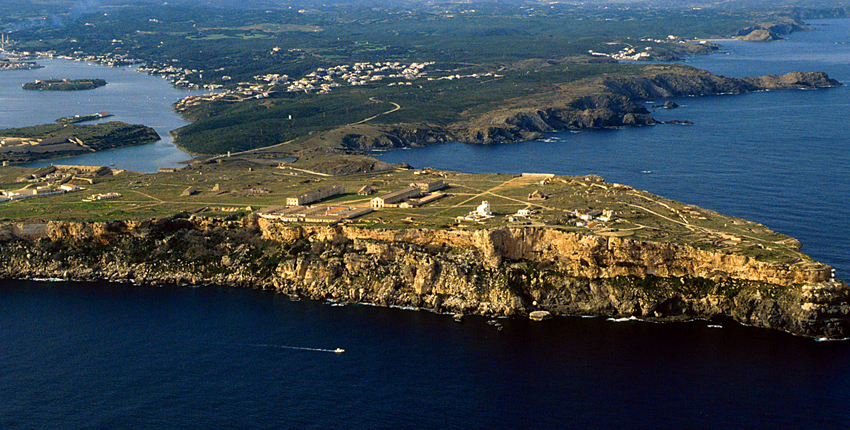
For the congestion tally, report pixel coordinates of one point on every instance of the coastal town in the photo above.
(320, 81)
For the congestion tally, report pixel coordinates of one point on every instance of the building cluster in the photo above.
(591, 217)
(111, 59)
(298, 207)
(38, 191)
(10, 64)
(8, 142)
(474, 76)
(61, 174)
(103, 196)
(521, 215)
(55, 179)
(481, 213)
(363, 73)
(314, 214)
(626, 54)
(417, 194)
(315, 195)
(631, 53)
(320, 81)
(178, 76)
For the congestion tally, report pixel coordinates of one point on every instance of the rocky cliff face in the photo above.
(614, 104)
(505, 271)
(603, 110)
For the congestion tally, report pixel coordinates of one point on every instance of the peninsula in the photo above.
(320, 86)
(450, 242)
(76, 119)
(64, 84)
(63, 140)
(7, 64)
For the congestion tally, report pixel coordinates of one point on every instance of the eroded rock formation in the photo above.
(501, 271)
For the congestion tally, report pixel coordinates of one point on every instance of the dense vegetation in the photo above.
(221, 126)
(534, 47)
(239, 43)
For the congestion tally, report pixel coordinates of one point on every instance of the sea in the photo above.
(99, 355)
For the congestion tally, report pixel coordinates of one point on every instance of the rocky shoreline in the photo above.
(49, 141)
(492, 272)
(612, 102)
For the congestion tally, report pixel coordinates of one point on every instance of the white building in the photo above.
(483, 210)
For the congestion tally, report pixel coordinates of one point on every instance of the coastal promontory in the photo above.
(495, 245)
(62, 140)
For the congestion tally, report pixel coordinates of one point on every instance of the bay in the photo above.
(132, 97)
(100, 355)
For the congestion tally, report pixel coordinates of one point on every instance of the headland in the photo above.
(450, 242)
(62, 140)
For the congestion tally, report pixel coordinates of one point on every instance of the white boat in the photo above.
(339, 350)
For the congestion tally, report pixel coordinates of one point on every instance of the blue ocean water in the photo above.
(781, 158)
(99, 355)
(119, 356)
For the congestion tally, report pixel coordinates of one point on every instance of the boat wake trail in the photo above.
(297, 348)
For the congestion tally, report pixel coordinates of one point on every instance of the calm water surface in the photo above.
(98, 355)
(111, 356)
(781, 158)
(133, 97)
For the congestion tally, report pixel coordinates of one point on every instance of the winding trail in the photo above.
(397, 107)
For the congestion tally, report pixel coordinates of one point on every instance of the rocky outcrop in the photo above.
(701, 83)
(603, 110)
(794, 80)
(613, 105)
(63, 140)
(617, 107)
(383, 137)
(767, 32)
(502, 271)
(757, 35)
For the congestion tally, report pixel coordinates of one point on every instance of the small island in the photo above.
(76, 119)
(64, 84)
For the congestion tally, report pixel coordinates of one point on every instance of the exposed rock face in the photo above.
(794, 80)
(614, 105)
(597, 111)
(700, 83)
(758, 35)
(770, 31)
(504, 271)
(384, 137)
(67, 140)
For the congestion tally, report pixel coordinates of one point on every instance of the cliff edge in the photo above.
(497, 271)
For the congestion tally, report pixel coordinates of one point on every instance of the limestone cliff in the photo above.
(502, 271)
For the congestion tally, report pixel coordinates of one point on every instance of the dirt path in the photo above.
(395, 108)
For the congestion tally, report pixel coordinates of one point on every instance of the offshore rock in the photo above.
(500, 271)
(539, 315)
